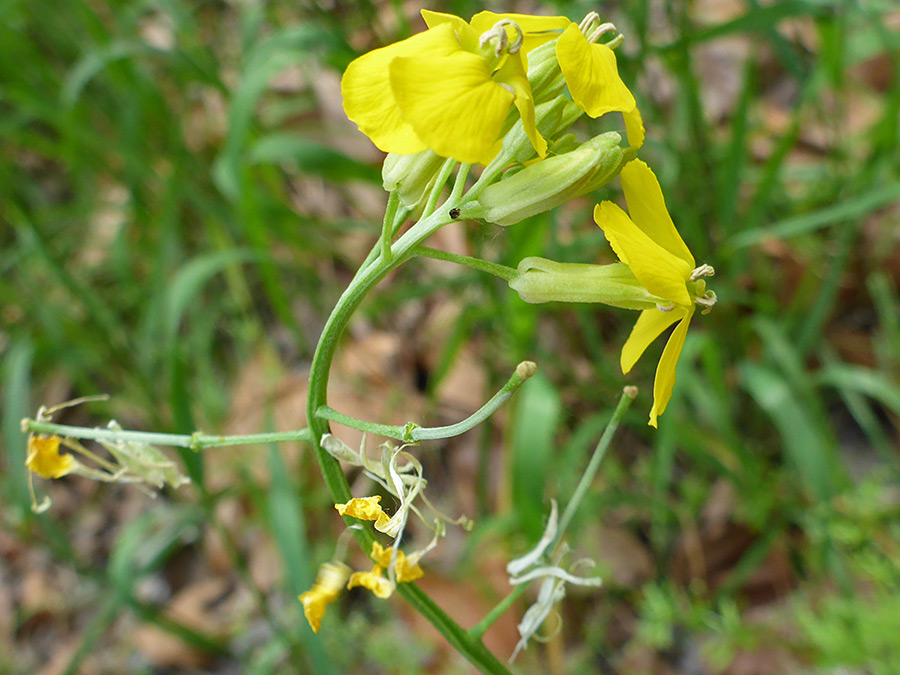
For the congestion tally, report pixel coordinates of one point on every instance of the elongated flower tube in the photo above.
(450, 88)
(659, 259)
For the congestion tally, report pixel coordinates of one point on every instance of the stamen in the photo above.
(600, 31)
(703, 271)
(588, 21)
(665, 308)
(707, 301)
(498, 31)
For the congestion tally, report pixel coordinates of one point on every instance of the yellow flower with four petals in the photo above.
(649, 244)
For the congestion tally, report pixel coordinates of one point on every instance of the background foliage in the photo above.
(182, 201)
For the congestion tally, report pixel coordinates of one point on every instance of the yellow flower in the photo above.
(365, 508)
(450, 88)
(650, 245)
(329, 583)
(44, 459)
(592, 76)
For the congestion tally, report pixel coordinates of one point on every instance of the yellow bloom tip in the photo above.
(329, 583)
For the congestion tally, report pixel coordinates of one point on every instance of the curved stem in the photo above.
(412, 433)
(365, 280)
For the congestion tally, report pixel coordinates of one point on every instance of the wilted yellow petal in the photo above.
(647, 208)
(659, 271)
(537, 29)
(592, 75)
(452, 104)
(374, 581)
(369, 100)
(364, 508)
(665, 371)
(649, 326)
(329, 584)
(403, 569)
(43, 458)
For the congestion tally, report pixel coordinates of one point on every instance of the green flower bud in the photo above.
(552, 119)
(542, 280)
(550, 182)
(544, 74)
(412, 175)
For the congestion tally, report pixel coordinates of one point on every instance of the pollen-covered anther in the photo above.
(668, 307)
(703, 271)
(498, 33)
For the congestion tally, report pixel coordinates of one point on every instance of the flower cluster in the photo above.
(400, 474)
(503, 90)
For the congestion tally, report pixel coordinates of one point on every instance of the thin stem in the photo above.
(388, 430)
(588, 476)
(523, 371)
(411, 433)
(501, 271)
(460, 182)
(196, 441)
(439, 184)
(387, 228)
(478, 630)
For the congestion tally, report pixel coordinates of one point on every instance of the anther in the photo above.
(703, 271)
(665, 308)
(707, 301)
(498, 31)
(588, 21)
(600, 31)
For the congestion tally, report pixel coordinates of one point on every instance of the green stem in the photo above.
(502, 271)
(477, 631)
(411, 433)
(196, 441)
(594, 464)
(387, 228)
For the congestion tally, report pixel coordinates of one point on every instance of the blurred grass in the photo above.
(175, 194)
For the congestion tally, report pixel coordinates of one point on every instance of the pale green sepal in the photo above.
(544, 74)
(542, 280)
(549, 183)
(411, 175)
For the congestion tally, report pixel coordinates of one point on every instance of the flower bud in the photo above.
(542, 280)
(549, 182)
(411, 175)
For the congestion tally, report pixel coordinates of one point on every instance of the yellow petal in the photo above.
(514, 72)
(369, 100)
(373, 580)
(649, 326)
(647, 209)
(465, 34)
(537, 29)
(364, 508)
(44, 459)
(592, 75)
(665, 371)
(634, 128)
(452, 104)
(329, 583)
(403, 569)
(659, 271)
